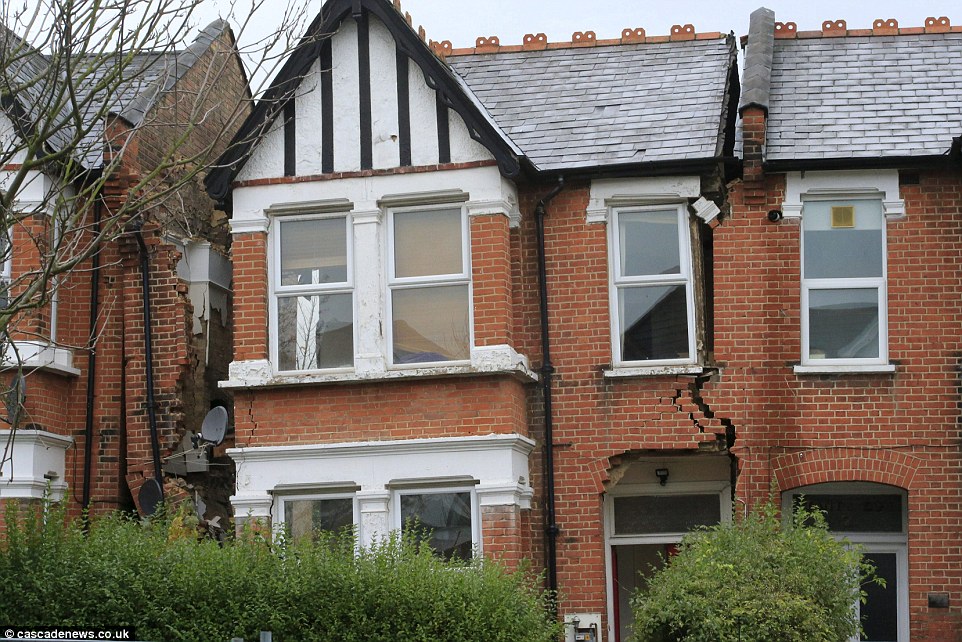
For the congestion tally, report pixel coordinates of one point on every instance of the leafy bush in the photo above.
(755, 581)
(156, 577)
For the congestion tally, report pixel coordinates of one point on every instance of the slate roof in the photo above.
(865, 97)
(145, 77)
(586, 107)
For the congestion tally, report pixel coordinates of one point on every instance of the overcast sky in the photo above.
(461, 21)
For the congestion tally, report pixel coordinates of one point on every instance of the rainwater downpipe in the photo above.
(547, 369)
(149, 360)
(92, 359)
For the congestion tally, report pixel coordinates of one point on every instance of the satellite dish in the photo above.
(13, 399)
(215, 426)
(150, 497)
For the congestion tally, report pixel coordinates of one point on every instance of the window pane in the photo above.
(880, 613)
(860, 513)
(427, 243)
(315, 331)
(843, 252)
(654, 323)
(447, 516)
(313, 252)
(649, 243)
(431, 324)
(307, 517)
(843, 324)
(647, 514)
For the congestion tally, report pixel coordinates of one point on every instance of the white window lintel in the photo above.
(606, 194)
(883, 183)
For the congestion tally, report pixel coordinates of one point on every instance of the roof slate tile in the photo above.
(858, 97)
(602, 104)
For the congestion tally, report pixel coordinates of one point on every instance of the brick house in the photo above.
(446, 259)
(836, 293)
(389, 356)
(121, 357)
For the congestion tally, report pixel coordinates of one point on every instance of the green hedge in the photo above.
(756, 580)
(157, 577)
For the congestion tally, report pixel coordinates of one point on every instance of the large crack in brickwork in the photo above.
(703, 418)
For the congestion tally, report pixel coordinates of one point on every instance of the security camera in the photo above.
(775, 216)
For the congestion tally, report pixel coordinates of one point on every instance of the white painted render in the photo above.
(10, 140)
(883, 182)
(267, 159)
(347, 132)
(209, 276)
(386, 149)
(424, 118)
(617, 192)
(464, 149)
(308, 108)
(38, 355)
(496, 467)
(481, 184)
(38, 458)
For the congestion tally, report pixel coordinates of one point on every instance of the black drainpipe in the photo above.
(547, 369)
(92, 360)
(149, 361)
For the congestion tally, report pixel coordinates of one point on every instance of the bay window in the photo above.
(308, 516)
(314, 303)
(843, 282)
(429, 293)
(652, 301)
(445, 517)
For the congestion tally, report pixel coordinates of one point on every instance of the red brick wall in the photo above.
(596, 420)
(249, 259)
(491, 279)
(381, 411)
(900, 429)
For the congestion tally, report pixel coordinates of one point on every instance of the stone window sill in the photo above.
(841, 369)
(489, 360)
(653, 371)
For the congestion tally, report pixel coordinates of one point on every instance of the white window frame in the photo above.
(281, 500)
(896, 543)
(278, 291)
(879, 283)
(435, 280)
(617, 282)
(438, 490)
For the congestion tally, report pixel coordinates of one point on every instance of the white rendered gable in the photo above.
(426, 139)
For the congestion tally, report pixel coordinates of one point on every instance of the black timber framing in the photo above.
(309, 49)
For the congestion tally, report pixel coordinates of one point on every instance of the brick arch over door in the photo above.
(808, 467)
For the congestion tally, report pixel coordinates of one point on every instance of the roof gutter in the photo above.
(652, 168)
(884, 162)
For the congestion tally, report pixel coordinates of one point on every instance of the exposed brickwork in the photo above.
(120, 450)
(381, 411)
(491, 279)
(249, 258)
(901, 429)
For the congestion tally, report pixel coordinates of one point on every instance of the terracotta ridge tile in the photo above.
(880, 27)
(579, 39)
